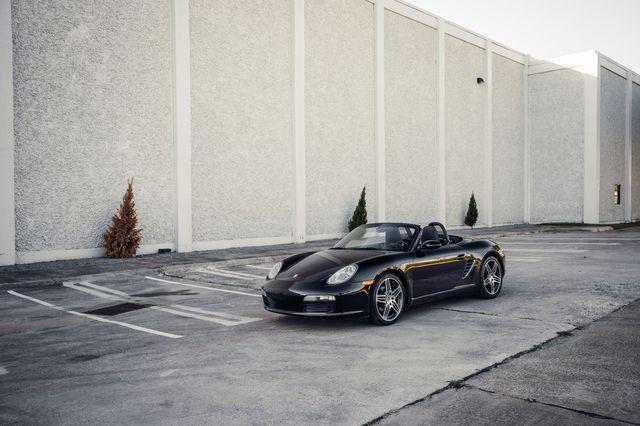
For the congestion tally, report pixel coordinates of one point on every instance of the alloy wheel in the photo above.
(492, 276)
(389, 298)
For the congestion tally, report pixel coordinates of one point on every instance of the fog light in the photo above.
(319, 299)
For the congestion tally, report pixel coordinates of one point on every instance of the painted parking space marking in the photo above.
(585, 243)
(94, 317)
(240, 274)
(537, 250)
(203, 287)
(525, 259)
(258, 267)
(225, 319)
(226, 274)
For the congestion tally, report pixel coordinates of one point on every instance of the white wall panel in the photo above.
(508, 141)
(92, 91)
(242, 143)
(612, 135)
(465, 103)
(411, 120)
(635, 153)
(556, 137)
(339, 98)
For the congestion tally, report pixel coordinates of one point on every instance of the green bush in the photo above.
(472, 212)
(360, 213)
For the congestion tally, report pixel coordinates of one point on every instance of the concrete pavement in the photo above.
(133, 345)
(589, 377)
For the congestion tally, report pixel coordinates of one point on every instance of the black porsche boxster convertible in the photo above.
(380, 269)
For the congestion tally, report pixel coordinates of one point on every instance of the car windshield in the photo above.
(378, 237)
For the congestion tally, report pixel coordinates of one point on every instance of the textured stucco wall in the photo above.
(411, 132)
(339, 96)
(92, 92)
(508, 141)
(556, 129)
(465, 104)
(612, 135)
(635, 153)
(241, 94)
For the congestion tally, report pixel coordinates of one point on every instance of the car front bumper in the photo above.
(284, 300)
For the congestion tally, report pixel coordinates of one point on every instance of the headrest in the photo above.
(429, 233)
(392, 235)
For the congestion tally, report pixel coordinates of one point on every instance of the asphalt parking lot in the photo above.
(193, 344)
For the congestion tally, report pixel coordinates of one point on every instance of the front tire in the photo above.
(386, 300)
(490, 278)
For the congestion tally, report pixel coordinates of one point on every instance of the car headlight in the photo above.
(274, 271)
(343, 275)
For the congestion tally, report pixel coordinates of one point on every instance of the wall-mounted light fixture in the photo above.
(480, 80)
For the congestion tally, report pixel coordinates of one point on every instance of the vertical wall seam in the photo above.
(489, 135)
(591, 141)
(182, 122)
(300, 230)
(379, 110)
(7, 143)
(627, 187)
(526, 141)
(442, 185)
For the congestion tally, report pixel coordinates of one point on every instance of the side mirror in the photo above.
(430, 245)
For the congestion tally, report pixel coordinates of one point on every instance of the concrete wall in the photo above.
(612, 136)
(92, 93)
(465, 103)
(340, 98)
(635, 153)
(241, 111)
(410, 120)
(7, 148)
(556, 137)
(508, 141)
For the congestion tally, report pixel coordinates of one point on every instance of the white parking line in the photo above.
(549, 250)
(508, 243)
(258, 267)
(201, 314)
(95, 318)
(243, 274)
(224, 274)
(524, 259)
(202, 286)
(606, 238)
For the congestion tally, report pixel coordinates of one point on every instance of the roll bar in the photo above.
(444, 231)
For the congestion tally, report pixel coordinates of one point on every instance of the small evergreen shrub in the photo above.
(360, 213)
(122, 237)
(472, 212)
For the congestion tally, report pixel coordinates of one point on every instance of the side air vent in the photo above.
(468, 267)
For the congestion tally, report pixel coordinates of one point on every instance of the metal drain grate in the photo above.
(120, 308)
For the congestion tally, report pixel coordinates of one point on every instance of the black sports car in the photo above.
(380, 269)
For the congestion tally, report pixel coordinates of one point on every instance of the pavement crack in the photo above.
(465, 311)
(549, 404)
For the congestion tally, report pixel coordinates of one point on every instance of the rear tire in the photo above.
(386, 302)
(490, 278)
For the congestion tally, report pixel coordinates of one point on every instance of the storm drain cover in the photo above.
(117, 309)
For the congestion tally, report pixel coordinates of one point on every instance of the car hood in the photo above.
(326, 262)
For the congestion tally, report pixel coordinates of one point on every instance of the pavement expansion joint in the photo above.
(548, 404)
